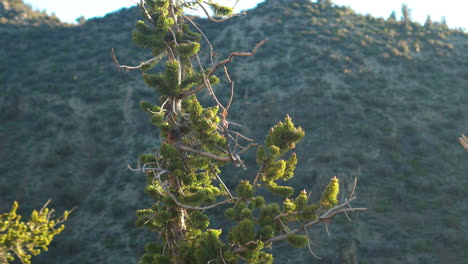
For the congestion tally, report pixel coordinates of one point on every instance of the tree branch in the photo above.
(174, 198)
(236, 54)
(308, 244)
(220, 20)
(221, 63)
(128, 68)
(203, 153)
(463, 141)
(322, 218)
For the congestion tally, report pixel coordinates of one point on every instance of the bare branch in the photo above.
(325, 223)
(232, 88)
(278, 217)
(308, 244)
(463, 141)
(128, 68)
(206, 81)
(145, 12)
(354, 188)
(347, 216)
(221, 63)
(222, 182)
(221, 254)
(257, 176)
(203, 34)
(247, 148)
(236, 54)
(203, 153)
(45, 205)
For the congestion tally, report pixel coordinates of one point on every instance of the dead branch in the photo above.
(257, 177)
(203, 153)
(278, 217)
(207, 83)
(308, 244)
(325, 216)
(145, 12)
(212, 52)
(236, 54)
(231, 97)
(463, 141)
(128, 68)
(239, 134)
(221, 181)
(223, 62)
(247, 148)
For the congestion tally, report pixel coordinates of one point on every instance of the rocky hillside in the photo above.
(381, 100)
(15, 13)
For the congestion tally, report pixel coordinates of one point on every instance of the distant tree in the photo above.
(443, 23)
(184, 174)
(24, 239)
(406, 13)
(323, 4)
(81, 20)
(392, 16)
(428, 23)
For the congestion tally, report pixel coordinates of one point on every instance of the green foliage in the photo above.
(220, 10)
(199, 220)
(297, 240)
(301, 200)
(207, 246)
(366, 89)
(194, 147)
(289, 206)
(243, 232)
(284, 135)
(27, 239)
(244, 190)
(187, 50)
(330, 194)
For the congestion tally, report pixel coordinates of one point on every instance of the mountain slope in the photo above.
(381, 100)
(15, 13)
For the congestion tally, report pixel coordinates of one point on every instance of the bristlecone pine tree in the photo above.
(183, 175)
(25, 239)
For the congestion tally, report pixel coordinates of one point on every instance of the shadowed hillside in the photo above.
(381, 100)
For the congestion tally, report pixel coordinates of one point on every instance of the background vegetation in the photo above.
(383, 100)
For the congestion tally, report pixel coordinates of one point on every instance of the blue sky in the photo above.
(453, 10)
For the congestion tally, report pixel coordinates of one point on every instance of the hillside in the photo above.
(381, 100)
(15, 14)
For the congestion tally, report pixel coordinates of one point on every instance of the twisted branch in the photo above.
(221, 63)
(128, 68)
(324, 218)
(220, 20)
(463, 141)
(174, 198)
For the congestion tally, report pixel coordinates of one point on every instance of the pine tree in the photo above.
(406, 13)
(27, 239)
(428, 23)
(324, 4)
(184, 174)
(392, 17)
(443, 23)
